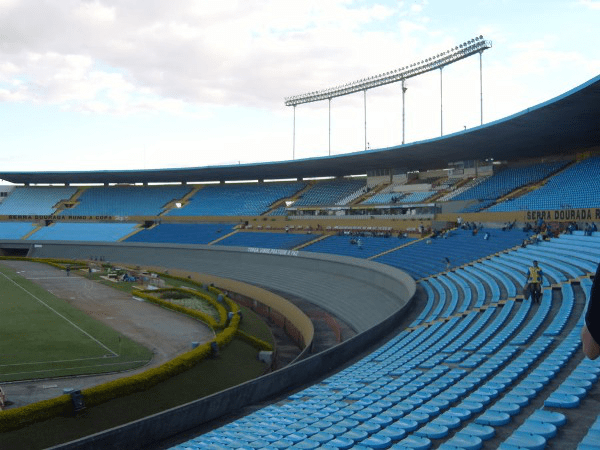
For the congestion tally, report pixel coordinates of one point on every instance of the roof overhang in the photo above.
(566, 124)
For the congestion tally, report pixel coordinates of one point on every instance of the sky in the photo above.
(129, 84)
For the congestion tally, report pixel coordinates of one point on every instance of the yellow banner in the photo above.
(55, 218)
(568, 215)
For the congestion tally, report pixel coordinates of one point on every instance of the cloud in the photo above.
(591, 4)
(226, 52)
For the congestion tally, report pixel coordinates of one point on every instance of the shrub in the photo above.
(13, 419)
(255, 342)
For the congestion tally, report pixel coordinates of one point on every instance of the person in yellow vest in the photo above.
(534, 279)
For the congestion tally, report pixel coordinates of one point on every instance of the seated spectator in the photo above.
(570, 228)
(539, 224)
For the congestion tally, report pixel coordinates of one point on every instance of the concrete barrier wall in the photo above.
(361, 293)
(347, 280)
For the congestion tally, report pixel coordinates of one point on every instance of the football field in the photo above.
(42, 336)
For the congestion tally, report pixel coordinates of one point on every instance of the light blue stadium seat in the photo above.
(34, 200)
(15, 230)
(68, 231)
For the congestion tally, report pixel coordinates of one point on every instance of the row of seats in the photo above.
(508, 180)
(15, 230)
(237, 199)
(449, 383)
(284, 241)
(97, 232)
(369, 245)
(399, 197)
(33, 200)
(329, 192)
(256, 199)
(427, 256)
(183, 233)
(568, 189)
(125, 200)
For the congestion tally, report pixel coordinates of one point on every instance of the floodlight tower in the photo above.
(439, 61)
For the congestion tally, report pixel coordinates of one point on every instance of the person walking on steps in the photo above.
(534, 282)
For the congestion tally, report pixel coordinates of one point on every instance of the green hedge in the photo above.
(233, 306)
(255, 342)
(147, 295)
(147, 379)
(58, 263)
(13, 419)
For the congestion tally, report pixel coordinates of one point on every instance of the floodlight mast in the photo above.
(453, 55)
(469, 48)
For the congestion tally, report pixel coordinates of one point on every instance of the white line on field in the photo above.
(76, 368)
(57, 361)
(60, 315)
(57, 278)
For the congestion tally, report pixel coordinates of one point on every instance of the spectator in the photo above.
(590, 333)
(534, 282)
(570, 228)
(447, 261)
(540, 222)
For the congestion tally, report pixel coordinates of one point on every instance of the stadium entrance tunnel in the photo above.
(15, 250)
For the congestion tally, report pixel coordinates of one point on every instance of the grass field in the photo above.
(42, 336)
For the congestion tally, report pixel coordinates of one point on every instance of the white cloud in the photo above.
(225, 52)
(591, 4)
(231, 59)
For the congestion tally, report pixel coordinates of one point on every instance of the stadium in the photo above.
(416, 255)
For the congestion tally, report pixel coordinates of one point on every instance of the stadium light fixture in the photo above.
(440, 60)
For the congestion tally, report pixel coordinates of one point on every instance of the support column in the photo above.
(329, 126)
(365, 102)
(481, 85)
(294, 136)
(441, 104)
(403, 110)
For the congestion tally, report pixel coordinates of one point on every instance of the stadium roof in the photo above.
(563, 125)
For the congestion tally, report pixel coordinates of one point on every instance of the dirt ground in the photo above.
(165, 332)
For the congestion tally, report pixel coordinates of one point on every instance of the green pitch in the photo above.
(42, 336)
